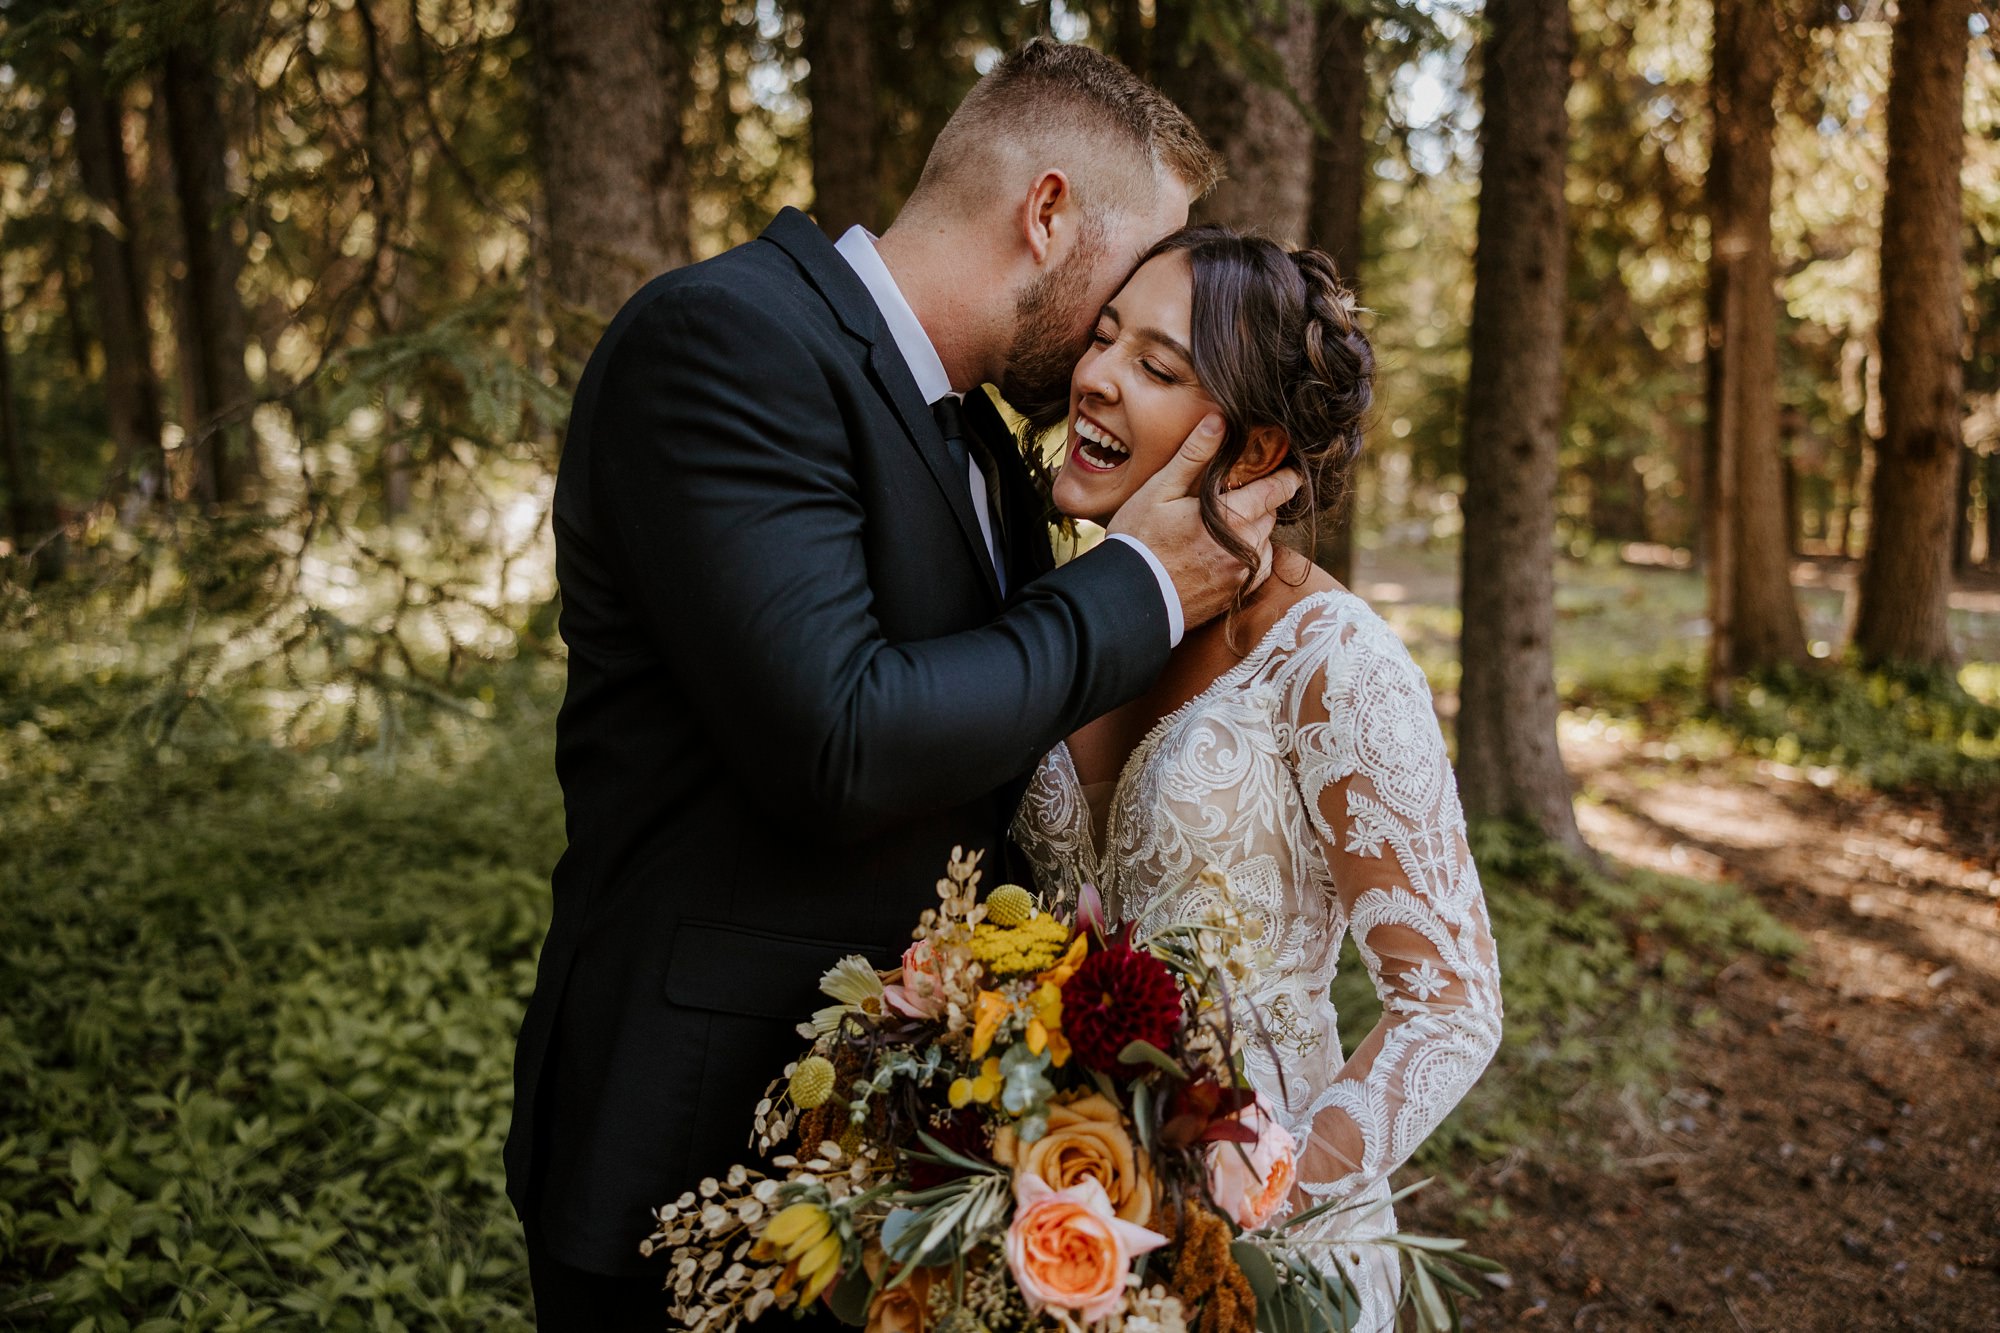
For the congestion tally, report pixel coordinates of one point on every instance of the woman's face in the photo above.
(1133, 398)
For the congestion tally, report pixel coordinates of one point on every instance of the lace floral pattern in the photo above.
(1315, 775)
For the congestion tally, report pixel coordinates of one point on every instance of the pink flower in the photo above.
(1068, 1248)
(1254, 1191)
(920, 994)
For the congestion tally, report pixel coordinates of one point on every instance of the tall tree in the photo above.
(846, 170)
(1333, 214)
(1508, 762)
(1906, 575)
(131, 391)
(1242, 74)
(219, 413)
(615, 203)
(1753, 616)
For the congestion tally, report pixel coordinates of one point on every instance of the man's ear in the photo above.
(1265, 449)
(1045, 209)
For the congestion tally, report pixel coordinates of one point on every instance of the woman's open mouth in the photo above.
(1096, 448)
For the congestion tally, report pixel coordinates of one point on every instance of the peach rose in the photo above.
(903, 1309)
(1254, 1191)
(1067, 1248)
(1086, 1140)
(919, 992)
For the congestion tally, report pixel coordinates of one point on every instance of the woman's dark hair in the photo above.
(1275, 343)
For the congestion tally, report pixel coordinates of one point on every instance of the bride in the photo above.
(1290, 744)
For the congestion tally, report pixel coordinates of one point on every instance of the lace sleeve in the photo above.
(1379, 789)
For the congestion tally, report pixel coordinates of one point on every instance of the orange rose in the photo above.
(903, 1309)
(1067, 1249)
(1086, 1140)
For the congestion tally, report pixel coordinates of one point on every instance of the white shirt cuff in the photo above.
(1176, 625)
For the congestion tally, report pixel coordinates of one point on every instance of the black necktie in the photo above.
(965, 444)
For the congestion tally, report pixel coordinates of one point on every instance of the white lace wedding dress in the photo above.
(1314, 776)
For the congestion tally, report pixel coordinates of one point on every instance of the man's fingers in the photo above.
(1184, 469)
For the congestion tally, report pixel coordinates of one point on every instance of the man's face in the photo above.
(1055, 315)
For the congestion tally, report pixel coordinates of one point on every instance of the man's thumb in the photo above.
(1184, 469)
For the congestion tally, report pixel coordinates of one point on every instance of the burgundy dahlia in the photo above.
(1117, 996)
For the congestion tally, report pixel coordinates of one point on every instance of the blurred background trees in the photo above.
(292, 294)
(1688, 451)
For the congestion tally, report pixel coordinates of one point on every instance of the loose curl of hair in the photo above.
(1275, 342)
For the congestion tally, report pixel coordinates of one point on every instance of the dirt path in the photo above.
(1830, 1155)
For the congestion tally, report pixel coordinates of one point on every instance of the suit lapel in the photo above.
(798, 236)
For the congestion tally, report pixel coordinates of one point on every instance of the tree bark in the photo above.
(131, 391)
(1508, 762)
(1993, 509)
(847, 180)
(1961, 511)
(32, 520)
(1131, 37)
(1753, 615)
(225, 448)
(1256, 126)
(610, 85)
(1333, 217)
(1905, 587)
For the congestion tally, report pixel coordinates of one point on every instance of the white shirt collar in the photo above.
(857, 247)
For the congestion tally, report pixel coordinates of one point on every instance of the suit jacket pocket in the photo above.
(732, 969)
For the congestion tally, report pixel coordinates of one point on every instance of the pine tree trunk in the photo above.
(31, 511)
(1993, 509)
(1339, 186)
(131, 391)
(1961, 512)
(1905, 588)
(1131, 37)
(847, 181)
(609, 88)
(1508, 762)
(1260, 132)
(1753, 616)
(225, 449)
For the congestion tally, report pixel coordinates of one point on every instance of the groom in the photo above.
(815, 635)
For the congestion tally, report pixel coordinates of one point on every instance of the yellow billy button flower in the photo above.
(812, 1082)
(1010, 905)
(987, 1086)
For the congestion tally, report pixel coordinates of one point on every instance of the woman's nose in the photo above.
(1094, 377)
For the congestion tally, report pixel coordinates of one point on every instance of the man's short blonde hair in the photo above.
(1071, 108)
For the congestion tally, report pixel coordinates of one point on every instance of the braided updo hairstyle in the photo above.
(1276, 343)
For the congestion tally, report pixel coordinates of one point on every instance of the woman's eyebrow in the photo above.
(1165, 340)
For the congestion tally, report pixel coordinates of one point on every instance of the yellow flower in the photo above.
(1010, 905)
(1012, 950)
(1047, 1002)
(987, 1086)
(1066, 967)
(812, 1082)
(992, 1009)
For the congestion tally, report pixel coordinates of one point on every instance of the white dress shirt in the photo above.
(857, 247)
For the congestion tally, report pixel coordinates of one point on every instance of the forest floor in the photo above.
(1827, 1155)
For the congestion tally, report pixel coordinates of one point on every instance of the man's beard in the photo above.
(1045, 352)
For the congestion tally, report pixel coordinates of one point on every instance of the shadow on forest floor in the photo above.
(1828, 1155)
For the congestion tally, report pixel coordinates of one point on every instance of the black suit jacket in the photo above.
(793, 688)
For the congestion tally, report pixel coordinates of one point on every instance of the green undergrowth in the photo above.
(1891, 730)
(259, 1026)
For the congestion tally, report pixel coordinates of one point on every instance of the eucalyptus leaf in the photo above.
(1144, 1052)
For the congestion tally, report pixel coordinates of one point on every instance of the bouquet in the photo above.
(1034, 1122)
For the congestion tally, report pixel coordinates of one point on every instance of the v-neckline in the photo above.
(1258, 654)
